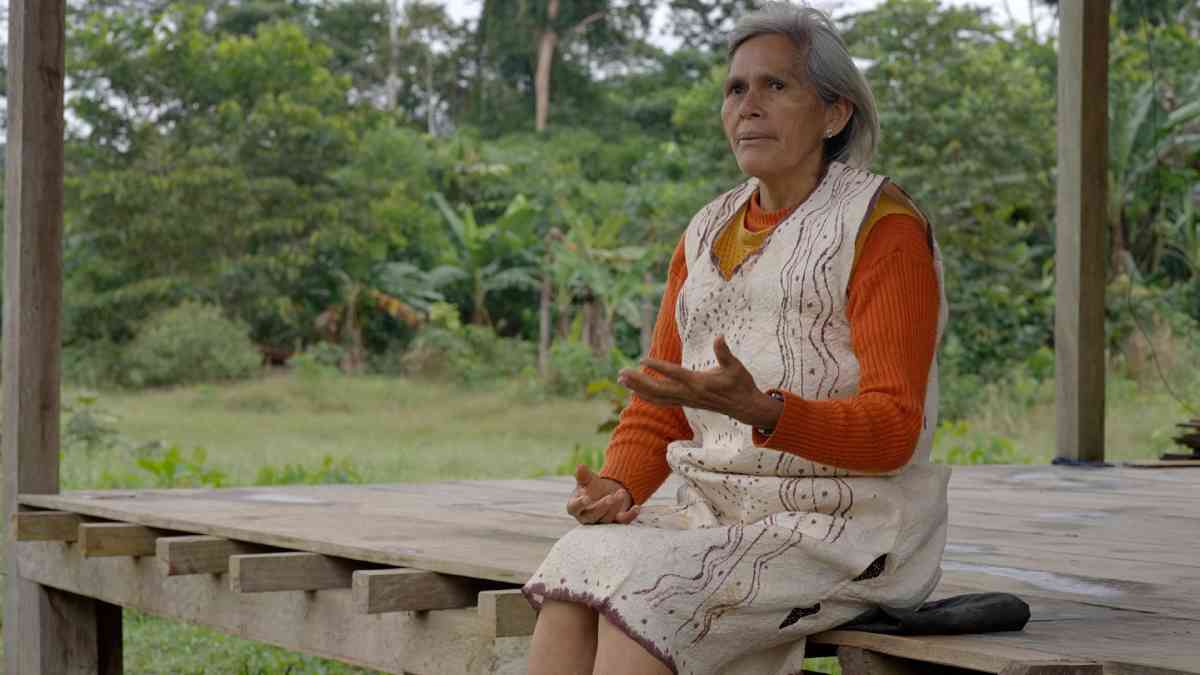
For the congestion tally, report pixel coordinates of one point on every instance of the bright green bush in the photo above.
(573, 368)
(188, 344)
(330, 471)
(446, 348)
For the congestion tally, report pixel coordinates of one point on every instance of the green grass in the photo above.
(392, 429)
(406, 430)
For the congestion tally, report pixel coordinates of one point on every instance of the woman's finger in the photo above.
(628, 516)
(662, 392)
(673, 371)
(599, 508)
(724, 355)
(576, 505)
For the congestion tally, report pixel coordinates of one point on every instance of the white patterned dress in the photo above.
(763, 547)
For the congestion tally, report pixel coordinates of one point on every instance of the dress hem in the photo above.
(600, 606)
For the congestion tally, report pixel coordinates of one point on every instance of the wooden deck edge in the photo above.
(988, 658)
(323, 623)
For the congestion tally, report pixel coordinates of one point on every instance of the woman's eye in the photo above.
(777, 85)
(735, 90)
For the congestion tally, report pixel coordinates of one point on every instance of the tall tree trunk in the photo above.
(391, 86)
(1121, 260)
(597, 328)
(544, 324)
(479, 313)
(541, 83)
(429, 97)
(648, 317)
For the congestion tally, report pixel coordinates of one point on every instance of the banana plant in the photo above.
(491, 257)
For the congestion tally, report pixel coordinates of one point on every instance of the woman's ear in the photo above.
(837, 115)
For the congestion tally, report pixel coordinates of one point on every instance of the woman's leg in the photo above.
(619, 654)
(564, 640)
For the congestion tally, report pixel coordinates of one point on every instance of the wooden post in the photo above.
(1080, 216)
(45, 630)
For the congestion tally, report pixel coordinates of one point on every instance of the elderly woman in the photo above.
(791, 387)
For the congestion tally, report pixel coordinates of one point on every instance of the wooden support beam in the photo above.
(326, 624)
(200, 554)
(45, 525)
(295, 571)
(506, 613)
(45, 630)
(402, 590)
(116, 539)
(1080, 216)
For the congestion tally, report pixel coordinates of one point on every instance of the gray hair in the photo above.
(822, 55)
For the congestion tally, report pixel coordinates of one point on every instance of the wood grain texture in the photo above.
(1105, 558)
(856, 661)
(399, 590)
(506, 614)
(1079, 270)
(116, 539)
(45, 526)
(199, 554)
(293, 571)
(323, 624)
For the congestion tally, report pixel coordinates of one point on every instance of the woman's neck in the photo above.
(786, 191)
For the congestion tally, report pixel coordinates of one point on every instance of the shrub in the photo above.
(956, 443)
(573, 368)
(170, 469)
(94, 364)
(188, 344)
(330, 471)
(87, 426)
(446, 348)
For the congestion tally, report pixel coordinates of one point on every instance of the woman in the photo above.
(791, 386)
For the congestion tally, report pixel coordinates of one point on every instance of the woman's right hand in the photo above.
(600, 500)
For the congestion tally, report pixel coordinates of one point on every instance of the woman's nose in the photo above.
(749, 106)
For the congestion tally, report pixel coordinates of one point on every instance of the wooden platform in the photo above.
(1109, 560)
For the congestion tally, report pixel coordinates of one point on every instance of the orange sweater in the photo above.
(892, 308)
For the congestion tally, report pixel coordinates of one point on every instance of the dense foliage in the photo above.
(335, 171)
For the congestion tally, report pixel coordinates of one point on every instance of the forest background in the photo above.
(304, 240)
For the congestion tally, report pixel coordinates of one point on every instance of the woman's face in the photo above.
(775, 122)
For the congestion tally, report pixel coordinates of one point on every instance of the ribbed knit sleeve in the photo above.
(637, 452)
(892, 309)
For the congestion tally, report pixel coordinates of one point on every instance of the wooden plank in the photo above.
(963, 652)
(1053, 668)
(399, 590)
(1164, 464)
(506, 614)
(1080, 228)
(199, 554)
(293, 571)
(326, 624)
(45, 525)
(116, 539)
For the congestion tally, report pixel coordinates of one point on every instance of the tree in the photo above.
(704, 24)
(491, 257)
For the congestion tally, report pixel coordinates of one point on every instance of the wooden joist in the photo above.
(116, 539)
(506, 613)
(399, 590)
(200, 554)
(294, 571)
(45, 525)
(445, 642)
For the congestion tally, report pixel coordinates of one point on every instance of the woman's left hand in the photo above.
(729, 388)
